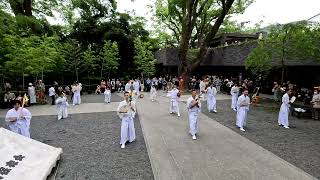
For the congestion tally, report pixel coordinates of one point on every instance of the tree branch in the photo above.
(175, 25)
(227, 5)
(176, 34)
(201, 8)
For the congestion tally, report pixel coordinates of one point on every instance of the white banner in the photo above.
(23, 158)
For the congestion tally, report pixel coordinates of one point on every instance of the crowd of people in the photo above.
(243, 94)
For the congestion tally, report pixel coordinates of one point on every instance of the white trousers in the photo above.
(193, 123)
(127, 130)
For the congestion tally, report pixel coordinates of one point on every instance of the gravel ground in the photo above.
(299, 145)
(91, 148)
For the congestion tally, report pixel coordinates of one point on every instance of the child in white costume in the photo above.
(62, 106)
(153, 93)
(107, 95)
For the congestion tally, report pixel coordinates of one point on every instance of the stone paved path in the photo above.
(218, 153)
(299, 145)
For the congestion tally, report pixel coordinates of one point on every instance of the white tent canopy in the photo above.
(23, 158)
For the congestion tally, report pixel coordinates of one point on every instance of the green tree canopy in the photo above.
(144, 59)
(110, 57)
(294, 41)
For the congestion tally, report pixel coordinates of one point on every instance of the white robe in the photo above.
(127, 125)
(153, 93)
(32, 94)
(174, 101)
(211, 99)
(127, 87)
(107, 96)
(22, 125)
(62, 107)
(76, 95)
(242, 110)
(193, 116)
(234, 96)
(284, 111)
(136, 87)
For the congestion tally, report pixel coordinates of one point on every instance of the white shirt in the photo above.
(31, 90)
(136, 86)
(234, 90)
(173, 94)
(194, 108)
(127, 87)
(243, 102)
(285, 99)
(23, 115)
(125, 105)
(107, 92)
(51, 91)
(212, 91)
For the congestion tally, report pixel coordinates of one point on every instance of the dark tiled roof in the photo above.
(233, 55)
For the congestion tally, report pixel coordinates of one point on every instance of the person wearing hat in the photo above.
(32, 94)
(18, 119)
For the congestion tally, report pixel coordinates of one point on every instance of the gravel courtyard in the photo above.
(91, 149)
(299, 145)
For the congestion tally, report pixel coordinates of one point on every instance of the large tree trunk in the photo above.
(101, 72)
(186, 32)
(23, 8)
(189, 20)
(77, 75)
(109, 73)
(282, 74)
(23, 80)
(42, 74)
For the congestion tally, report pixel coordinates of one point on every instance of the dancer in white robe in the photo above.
(211, 98)
(107, 95)
(62, 106)
(18, 119)
(76, 94)
(174, 100)
(284, 110)
(153, 93)
(234, 96)
(136, 86)
(32, 94)
(243, 104)
(194, 107)
(127, 86)
(126, 111)
(202, 86)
